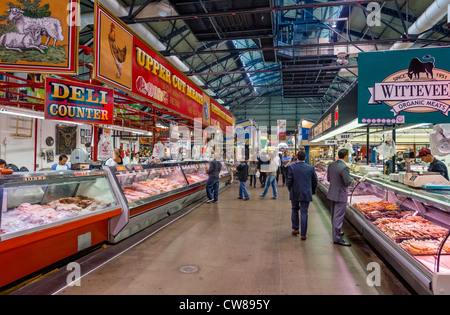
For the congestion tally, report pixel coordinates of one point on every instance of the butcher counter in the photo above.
(405, 225)
(49, 216)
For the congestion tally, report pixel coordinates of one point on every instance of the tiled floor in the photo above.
(241, 247)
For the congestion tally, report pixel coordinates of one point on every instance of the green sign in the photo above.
(404, 86)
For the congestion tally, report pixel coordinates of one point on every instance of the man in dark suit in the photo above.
(302, 183)
(339, 177)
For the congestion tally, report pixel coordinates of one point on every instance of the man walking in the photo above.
(301, 182)
(272, 176)
(213, 181)
(339, 177)
(242, 170)
(285, 163)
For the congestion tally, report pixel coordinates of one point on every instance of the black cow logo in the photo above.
(417, 66)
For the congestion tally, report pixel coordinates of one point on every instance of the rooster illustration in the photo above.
(118, 54)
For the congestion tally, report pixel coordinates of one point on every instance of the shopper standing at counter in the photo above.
(435, 164)
(338, 175)
(213, 181)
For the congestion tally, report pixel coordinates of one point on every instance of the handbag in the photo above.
(257, 174)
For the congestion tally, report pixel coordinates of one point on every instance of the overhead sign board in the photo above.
(341, 112)
(125, 61)
(406, 86)
(39, 37)
(78, 102)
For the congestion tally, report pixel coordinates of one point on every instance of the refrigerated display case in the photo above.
(406, 225)
(155, 191)
(48, 216)
(143, 184)
(195, 172)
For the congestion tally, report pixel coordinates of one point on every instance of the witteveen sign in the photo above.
(413, 85)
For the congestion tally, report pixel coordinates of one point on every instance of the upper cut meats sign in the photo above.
(125, 61)
(418, 92)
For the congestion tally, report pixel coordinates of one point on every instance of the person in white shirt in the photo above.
(126, 159)
(272, 176)
(136, 158)
(61, 165)
(116, 159)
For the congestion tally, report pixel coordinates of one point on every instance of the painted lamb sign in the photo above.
(418, 92)
(39, 37)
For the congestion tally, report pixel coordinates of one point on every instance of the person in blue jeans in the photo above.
(213, 181)
(242, 170)
(271, 178)
(301, 182)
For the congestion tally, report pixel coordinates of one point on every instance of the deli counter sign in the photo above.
(405, 86)
(78, 102)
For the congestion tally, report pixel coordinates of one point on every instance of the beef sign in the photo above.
(416, 67)
(409, 86)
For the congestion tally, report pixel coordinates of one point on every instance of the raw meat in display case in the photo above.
(406, 225)
(196, 172)
(52, 200)
(49, 216)
(141, 182)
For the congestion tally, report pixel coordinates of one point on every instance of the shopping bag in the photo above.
(257, 174)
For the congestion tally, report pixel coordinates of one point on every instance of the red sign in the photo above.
(123, 60)
(78, 102)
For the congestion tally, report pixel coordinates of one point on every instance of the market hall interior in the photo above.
(234, 247)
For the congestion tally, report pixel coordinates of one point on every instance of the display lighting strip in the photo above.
(22, 113)
(31, 114)
(126, 129)
(401, 129)
(349, 126)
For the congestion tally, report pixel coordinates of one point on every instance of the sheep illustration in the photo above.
(51, 27)
(30, 39)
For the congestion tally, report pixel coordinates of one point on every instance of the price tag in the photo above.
(82, 173)
(121, 168)
(29, 179)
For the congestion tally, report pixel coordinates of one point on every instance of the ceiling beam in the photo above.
(298, 85)
(289, 70)
(386, 41)
(199, 15)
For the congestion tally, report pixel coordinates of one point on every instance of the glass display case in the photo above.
(415, 221)
(224, 171)
(195, 172)
(406, 225)
(35, 201)
(142, 184)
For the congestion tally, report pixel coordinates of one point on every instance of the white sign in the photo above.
(345, 136)
(331, 142)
